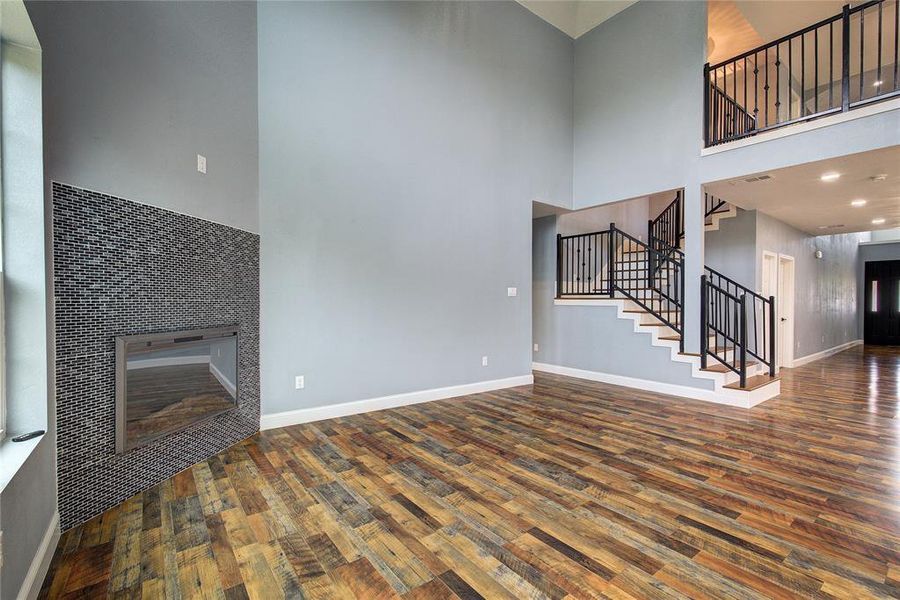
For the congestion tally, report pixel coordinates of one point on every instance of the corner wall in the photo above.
(826, 290)
(825, 293)
(593, 338)
(401, 146)
(133, 91)
(639, 102)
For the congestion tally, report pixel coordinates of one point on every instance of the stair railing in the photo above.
(606, 263)
(739, 321)
(582, 264)
(651, 278)
(836, 65)
(713, 205)
(665, 232)
(722, 320)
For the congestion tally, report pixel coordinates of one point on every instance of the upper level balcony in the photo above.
(838, 64)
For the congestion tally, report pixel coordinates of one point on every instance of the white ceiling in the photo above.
(576, 17)
(797, 195)
(773, 19)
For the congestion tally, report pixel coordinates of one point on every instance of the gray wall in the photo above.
(28, 499)
(135, 90)
(825, 295)
(591, 337)
(731, 250)
(871, 253)
(401, 146)
(638, 119)
(638, 102)
(630, 216)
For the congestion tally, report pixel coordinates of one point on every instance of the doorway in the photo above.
(882, 303)
(778, 273)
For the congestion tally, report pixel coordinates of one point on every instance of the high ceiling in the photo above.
(576, 17)
(798, 196)
(735, 26)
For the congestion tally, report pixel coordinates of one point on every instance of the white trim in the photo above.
(226, 383)
(34, 579)
(318, 413)
(805, 360)
(167, 361)
(728, 397)
(880, 242)
(789, 130)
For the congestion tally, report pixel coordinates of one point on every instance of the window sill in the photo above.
(12, 456)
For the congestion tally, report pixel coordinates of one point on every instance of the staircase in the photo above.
(716, 210)
(645, 282)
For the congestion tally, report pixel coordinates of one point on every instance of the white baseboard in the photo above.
(805, 360)
(728, 397)
(318, 413)
(34, 579)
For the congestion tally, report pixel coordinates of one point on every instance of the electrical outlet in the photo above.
(484, 361)
(536, 348)
(201, 163)
(512, 292)
(299, 382)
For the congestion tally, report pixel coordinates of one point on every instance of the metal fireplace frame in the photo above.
(173, 339)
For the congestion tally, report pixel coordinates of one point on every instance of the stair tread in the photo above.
(753, 383)
(720, 368)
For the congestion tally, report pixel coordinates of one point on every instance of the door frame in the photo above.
(787, 274)
(775, 267)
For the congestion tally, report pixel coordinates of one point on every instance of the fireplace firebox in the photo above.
(166, 382)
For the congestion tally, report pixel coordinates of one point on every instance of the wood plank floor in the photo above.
(564, 489)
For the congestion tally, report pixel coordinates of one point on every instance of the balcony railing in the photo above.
(835, 65)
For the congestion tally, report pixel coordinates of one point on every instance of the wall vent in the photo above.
(758, 178)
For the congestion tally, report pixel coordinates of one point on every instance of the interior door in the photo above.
(784, 304)
(882, 303)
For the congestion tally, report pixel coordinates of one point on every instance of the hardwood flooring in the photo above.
(564, 489)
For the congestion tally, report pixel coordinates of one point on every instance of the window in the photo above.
(873, 297)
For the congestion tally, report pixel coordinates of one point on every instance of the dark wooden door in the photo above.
(882, 304)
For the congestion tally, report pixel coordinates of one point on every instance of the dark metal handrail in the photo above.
(722, 318)
(665, 232)
(582, 264)
(603, 263)
(655, 284)
(753, 329)
(806, 74)
(713, 205)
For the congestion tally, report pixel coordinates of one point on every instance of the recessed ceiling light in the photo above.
(878, 221)
(858, 202)
(877, 83)
(830, 176)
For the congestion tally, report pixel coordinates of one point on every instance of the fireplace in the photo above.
(166, 382)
